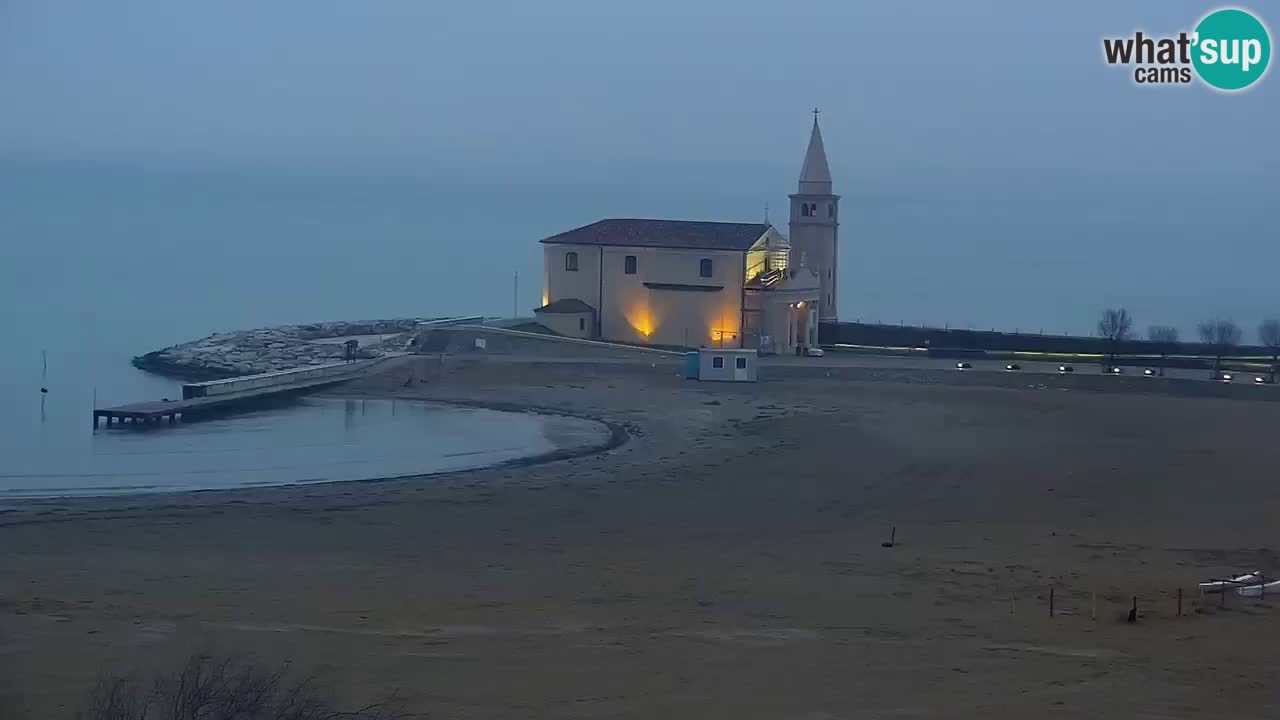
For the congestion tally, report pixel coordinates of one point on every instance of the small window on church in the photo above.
(831, 209)
(571, 261)
(582, 323)
(630, 265)
(804, 209)
(704, 267)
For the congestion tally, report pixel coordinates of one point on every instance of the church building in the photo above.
(690, 283)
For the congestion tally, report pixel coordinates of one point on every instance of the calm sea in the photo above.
(103, 260)
(100, 262)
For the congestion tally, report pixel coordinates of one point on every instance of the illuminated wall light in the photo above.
(641, 320)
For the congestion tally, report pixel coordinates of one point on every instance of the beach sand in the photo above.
(724, 562)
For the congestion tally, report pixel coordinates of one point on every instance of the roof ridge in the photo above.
(658, 232)
(674, 220)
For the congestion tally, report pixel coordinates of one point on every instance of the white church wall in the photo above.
(563, 284)
(576, 325)
(635, 312)
(630, 311)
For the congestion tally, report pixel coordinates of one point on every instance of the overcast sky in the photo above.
(941, 84)
(922, 102)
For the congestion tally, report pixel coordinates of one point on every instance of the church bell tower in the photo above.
(815, 219)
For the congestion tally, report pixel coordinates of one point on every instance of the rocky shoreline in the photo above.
(247, 352)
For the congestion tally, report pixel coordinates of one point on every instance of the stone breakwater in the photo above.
(248, 352)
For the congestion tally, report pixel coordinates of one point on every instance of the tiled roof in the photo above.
(565, 306)
(689, 234)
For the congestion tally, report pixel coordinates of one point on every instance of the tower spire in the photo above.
(815, 174)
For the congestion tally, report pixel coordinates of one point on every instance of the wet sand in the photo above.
(724, 562)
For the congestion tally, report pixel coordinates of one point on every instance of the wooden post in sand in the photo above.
(1093, 606)
(1050, 601)
(1179, 602)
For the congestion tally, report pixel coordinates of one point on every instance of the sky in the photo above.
(927, 85)
(929, 98)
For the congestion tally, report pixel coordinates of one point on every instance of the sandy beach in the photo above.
(721, 558)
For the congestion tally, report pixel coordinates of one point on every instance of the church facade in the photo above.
(701, 284)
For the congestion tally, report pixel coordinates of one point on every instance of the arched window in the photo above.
(804, 209)
(571, 261)
(831, 209)
(704, 267)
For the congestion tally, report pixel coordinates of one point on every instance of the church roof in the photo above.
(815, 168)
(565, 306)
(686, 234)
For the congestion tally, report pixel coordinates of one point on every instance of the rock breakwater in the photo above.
(247, 352)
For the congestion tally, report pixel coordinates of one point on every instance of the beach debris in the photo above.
(893, 537)
(1259, 589)
(1217, 585)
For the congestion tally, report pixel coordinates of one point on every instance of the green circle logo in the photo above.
(1232, 49)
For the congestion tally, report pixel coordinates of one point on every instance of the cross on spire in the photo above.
(815, 113)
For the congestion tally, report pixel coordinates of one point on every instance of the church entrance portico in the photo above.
(802, 326)
(784, 316)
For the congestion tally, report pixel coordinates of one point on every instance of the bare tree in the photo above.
(1269, 336)
(1115, 326)
(1167, 337)
(1220, 336)
(209, 687)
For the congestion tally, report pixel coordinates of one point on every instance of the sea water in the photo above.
(290, 441)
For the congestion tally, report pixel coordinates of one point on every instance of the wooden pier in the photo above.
(144, 412)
